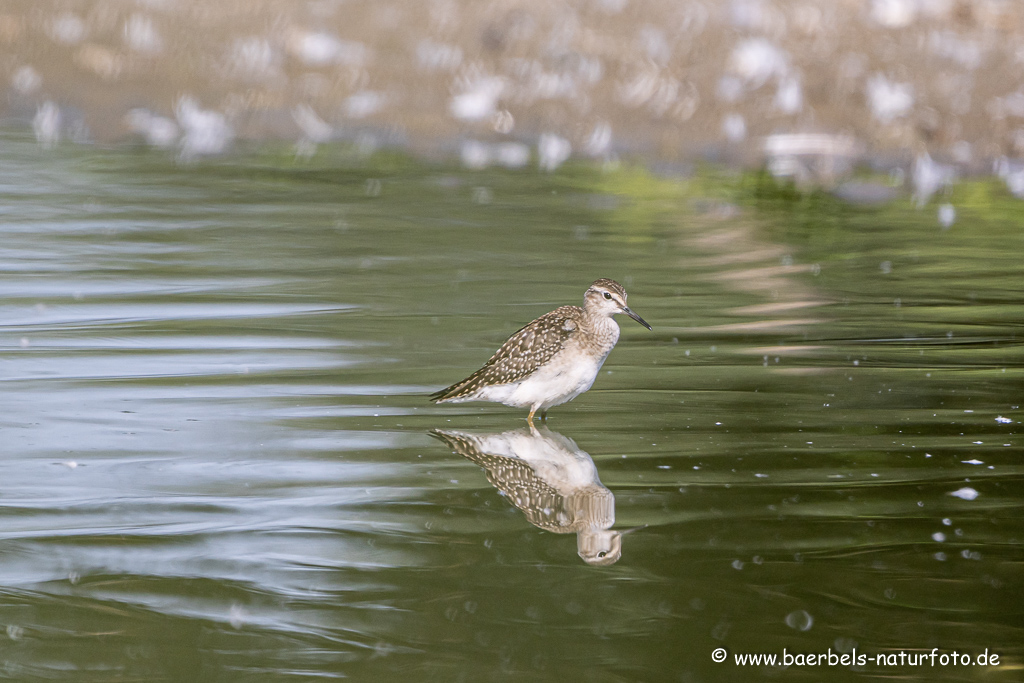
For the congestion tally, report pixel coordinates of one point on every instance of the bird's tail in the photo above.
(460, 389)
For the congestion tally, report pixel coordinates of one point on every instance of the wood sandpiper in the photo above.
(552, 360)
(552, 481)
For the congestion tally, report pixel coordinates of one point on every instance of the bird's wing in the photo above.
(518, 481)
(523, 352)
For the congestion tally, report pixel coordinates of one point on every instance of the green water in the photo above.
(216, 460)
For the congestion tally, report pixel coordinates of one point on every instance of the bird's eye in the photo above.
(607, 295)
(602, 553)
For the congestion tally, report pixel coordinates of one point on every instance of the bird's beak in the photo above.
(629, 531)
(634, 316)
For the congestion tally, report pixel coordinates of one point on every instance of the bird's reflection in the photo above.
(551, 480)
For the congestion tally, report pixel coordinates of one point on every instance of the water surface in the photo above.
(217, 460)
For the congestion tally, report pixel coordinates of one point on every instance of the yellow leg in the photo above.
(529, 418)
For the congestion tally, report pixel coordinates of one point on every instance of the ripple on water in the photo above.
(213, 424)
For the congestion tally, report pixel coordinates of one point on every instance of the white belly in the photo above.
(550, 385)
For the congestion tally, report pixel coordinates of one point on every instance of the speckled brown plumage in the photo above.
(552, 481)
(542, 504)
(529, 348)
(553, 359)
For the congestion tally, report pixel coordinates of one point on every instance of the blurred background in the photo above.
(811, 87)
(242, 241)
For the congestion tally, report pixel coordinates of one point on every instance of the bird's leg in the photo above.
(529, 418)
(544, 415)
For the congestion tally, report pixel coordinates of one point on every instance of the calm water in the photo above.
(218, 461)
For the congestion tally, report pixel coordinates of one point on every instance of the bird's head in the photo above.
(599, 547)
(607, 297)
